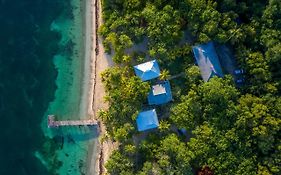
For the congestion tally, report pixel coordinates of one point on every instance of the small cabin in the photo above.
(147, 120)
(160, 93)
(148, 70)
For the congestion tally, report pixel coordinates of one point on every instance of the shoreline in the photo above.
(74, 102)
(91, 57)
(99, 62)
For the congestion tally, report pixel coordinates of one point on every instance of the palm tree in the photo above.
(164, 75)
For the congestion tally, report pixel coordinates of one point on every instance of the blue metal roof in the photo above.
(207, 60)
(148, 70)
(160, 94)
(147, 120)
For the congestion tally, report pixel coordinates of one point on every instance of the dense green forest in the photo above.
(231, 130)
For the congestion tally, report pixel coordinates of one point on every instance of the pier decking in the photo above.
(53, 123)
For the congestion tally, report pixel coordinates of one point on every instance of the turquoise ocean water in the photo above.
(41, 73)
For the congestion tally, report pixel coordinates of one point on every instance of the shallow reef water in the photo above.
(37, 48)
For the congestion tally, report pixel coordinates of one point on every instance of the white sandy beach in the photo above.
(96, 61)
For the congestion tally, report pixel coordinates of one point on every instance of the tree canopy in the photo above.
(229, 129)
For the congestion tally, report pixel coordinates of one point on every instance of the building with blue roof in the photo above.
(207, 60)
(147, 120)
(160, 93)
(148, 70)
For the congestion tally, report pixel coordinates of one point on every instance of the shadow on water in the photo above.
(70, 134)
(27, 82)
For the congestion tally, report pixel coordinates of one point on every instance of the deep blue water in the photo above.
(27, 80)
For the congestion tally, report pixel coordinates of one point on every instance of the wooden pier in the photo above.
(53, 123)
